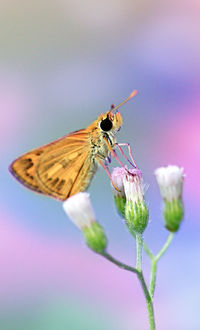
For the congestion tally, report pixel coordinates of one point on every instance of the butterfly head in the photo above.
(110, 122)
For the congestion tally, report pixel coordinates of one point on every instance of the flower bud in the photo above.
(119, 196)
(95, 237)
(79, 210)
(170, 182)
(136, 212)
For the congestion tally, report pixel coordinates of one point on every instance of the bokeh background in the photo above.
(61, 64)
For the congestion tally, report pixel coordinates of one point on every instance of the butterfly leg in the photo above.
(132, 162)
(109, 175)
(114, 154)
(106, 168)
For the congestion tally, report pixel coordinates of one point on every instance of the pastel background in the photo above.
(61, 64)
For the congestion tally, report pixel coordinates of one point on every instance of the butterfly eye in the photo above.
(106, 125)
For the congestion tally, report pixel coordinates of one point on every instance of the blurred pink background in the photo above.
(61, 64)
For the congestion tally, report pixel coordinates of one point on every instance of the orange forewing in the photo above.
(59, 169)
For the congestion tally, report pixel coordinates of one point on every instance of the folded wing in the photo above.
(59, 169)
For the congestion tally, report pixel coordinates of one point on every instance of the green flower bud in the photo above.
(95, 237)
(120, 203)
(173, 214)
(136, 215)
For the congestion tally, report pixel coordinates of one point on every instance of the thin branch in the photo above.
(118, 263)
(165, 247)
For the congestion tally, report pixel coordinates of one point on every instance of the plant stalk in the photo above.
(118, 263)
(149, 303)
(154, 262)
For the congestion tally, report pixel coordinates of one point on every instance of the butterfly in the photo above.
(66, 166)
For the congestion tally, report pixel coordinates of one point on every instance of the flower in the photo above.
(79, 210)
(117, 178)
(170, 182)
(133, 185)
(119, 195)
(136, 212)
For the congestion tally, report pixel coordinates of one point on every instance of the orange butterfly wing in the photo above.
(59, 169)
(23, 169)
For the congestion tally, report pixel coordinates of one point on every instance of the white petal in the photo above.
(133, 186)
(170, 181)
(79, 210)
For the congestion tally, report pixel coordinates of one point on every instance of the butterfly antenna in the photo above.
(126, 100)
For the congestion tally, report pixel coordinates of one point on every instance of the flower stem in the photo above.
(165, 246)
(149, 302)
(148, 252)
(154, 262)
(118, 263)
(139, 242)
(153, 277)
(142, 282)
(145, 247)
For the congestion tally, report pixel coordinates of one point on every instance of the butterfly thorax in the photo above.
(101, 142)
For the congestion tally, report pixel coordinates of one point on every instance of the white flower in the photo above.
(170, 182)
(136, 212)
(133, 185)
(79, 210)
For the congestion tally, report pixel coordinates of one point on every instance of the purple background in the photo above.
(61, 64)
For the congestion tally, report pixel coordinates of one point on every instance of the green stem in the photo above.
(118, 263)
(148, 252)
(154, 262)
(139, 242)
(153, 277)
(165, 246)
(145, 247)
(142, 282)
(149, 302)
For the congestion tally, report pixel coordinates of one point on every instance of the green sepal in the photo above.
(120, 203)
(136, 215)
(173, 214)
(95, 237)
